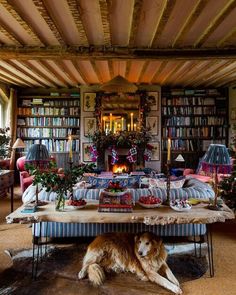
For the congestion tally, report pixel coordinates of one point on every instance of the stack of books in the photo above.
(29, 207)
(122, 203)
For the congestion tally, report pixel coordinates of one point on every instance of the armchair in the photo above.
(25, 178)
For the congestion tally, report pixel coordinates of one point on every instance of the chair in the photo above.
(25, 178)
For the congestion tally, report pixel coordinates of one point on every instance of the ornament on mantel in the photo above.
(114, 156)
(132, 154)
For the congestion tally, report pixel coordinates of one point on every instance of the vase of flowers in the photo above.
(59, 181)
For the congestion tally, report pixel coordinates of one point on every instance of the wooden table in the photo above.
(6, 182)
(163, 215)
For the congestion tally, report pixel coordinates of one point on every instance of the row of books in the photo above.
(210, 131)
(193, 101)
(56, 145)
(188, 110)
(182, 144)
(47, 102)
(44, 132)
(50, 121)
(44, 111)
(194, 121)
(195, 92)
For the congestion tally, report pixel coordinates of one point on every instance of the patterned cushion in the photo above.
(161, 183)
(129, 182)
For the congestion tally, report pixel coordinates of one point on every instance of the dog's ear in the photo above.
(157, 244)
(136, 238)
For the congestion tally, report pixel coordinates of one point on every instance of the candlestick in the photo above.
(122, 124)
(168, 149)
(128, 127)
(115, 127)
(70, 148)
(110, 121)
(104, 123)
(118, 126)
(135, 127)
(132, 121)
(107, 128)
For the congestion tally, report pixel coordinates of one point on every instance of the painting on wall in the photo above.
(89, 101)
(153, 100)
(155, 151)
(152, 124)
(86, 152)
(89, 126)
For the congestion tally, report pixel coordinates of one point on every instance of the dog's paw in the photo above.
(81, 274)
(178, 291)
(144, 278)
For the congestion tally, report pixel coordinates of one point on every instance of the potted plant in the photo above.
(4, 142)
(60, 182)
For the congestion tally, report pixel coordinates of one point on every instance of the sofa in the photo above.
(192, 188)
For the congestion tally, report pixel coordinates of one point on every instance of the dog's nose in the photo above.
(140, 253)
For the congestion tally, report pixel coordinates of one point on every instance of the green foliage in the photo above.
(4, 142)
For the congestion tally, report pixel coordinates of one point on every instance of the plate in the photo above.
(71, 207)
(149, 206)
(109, 193)
(179, 209)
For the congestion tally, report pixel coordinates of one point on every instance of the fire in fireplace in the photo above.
(122, 166)
(119, 168)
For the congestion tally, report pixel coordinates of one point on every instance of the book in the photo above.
(29, 208)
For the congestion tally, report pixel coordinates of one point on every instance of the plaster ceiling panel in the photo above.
(31, 72)
(148, 22)
(31, 14)
(64, 21)
(180, 13)
(150, 71)
(72, 68)
(166, 70)
(229, 69)
(103, 68)
(119, 68)
(46, 72)
(88, 71)
(14, 79)
(120, 17)
(14, 28)
(92, 21)
(6, 40)
(135, 70)
(212, 8)
(178, 72)
(225, 27)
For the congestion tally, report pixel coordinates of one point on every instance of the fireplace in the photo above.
(122, 166)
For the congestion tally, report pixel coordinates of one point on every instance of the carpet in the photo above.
(57, 274)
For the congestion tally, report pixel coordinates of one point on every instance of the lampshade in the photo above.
(217, 155)
(180, 158)
(37, 152)
(118, 84)
(19, 144)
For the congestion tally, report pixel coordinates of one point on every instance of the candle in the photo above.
(168, 149)
(104, 123)
(107, 128)
(132, 121)
(135, 127)
(115, 127)
(119, 127)
(128, 127)
(110, 121)
(70, 148)
(122, 124)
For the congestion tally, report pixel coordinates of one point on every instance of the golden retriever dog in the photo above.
(142, 254)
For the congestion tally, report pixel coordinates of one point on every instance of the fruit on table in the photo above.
(80, 202)
(114, 187)
(150, 200)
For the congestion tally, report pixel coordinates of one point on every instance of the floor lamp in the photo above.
(18, 145)
(216, 160)
(38, 156)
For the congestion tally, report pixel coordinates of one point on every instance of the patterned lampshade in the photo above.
(38, 153)
(217, 156)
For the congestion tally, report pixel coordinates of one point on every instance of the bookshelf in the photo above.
(50, 119)
(193, 118)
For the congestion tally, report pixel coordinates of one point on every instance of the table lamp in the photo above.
(216, 160)
(38, 156)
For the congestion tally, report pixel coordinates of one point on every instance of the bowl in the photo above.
(181, 209)
(149, 206)
(109, 193)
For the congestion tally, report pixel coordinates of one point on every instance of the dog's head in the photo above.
(147, 244)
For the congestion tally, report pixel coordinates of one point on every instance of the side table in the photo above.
(6, 182)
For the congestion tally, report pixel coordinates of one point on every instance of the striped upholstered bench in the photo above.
(192, 188)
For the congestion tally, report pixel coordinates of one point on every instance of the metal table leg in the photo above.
(210, 249)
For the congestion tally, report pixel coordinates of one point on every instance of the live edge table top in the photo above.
(162, 215)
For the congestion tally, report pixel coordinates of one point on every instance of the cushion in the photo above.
(161, 183)
(100, 182)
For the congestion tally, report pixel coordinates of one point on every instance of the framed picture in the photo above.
(155, 151)
(153, 100)
(89, 101)
(86, 153)
(152, 124)
(89, 126)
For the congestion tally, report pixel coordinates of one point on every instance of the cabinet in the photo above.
(50, 119)
(193, 118)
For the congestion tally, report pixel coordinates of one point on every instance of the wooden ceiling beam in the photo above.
(66, 71)
(102, 52)
(216, 22)
(135, 21)
(145, 65)
(97, 72)
(4, 75)
(159, 70)
(13, 75)
(82, 75)
(104, 8)
(9, 34)
(223, 42)
(172, 72)
(111, 69)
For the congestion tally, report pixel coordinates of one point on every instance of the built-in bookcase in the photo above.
(50, 119)
(193, 118)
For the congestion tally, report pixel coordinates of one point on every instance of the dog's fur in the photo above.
(143, 254)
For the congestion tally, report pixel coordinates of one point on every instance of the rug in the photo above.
(57, 274)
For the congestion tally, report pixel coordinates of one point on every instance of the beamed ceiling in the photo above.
(66, 43)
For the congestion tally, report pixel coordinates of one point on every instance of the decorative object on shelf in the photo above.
(39, 158)
(120, 85)
(180, 159)
(216, 159)
(89, 101)
(4, 142)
